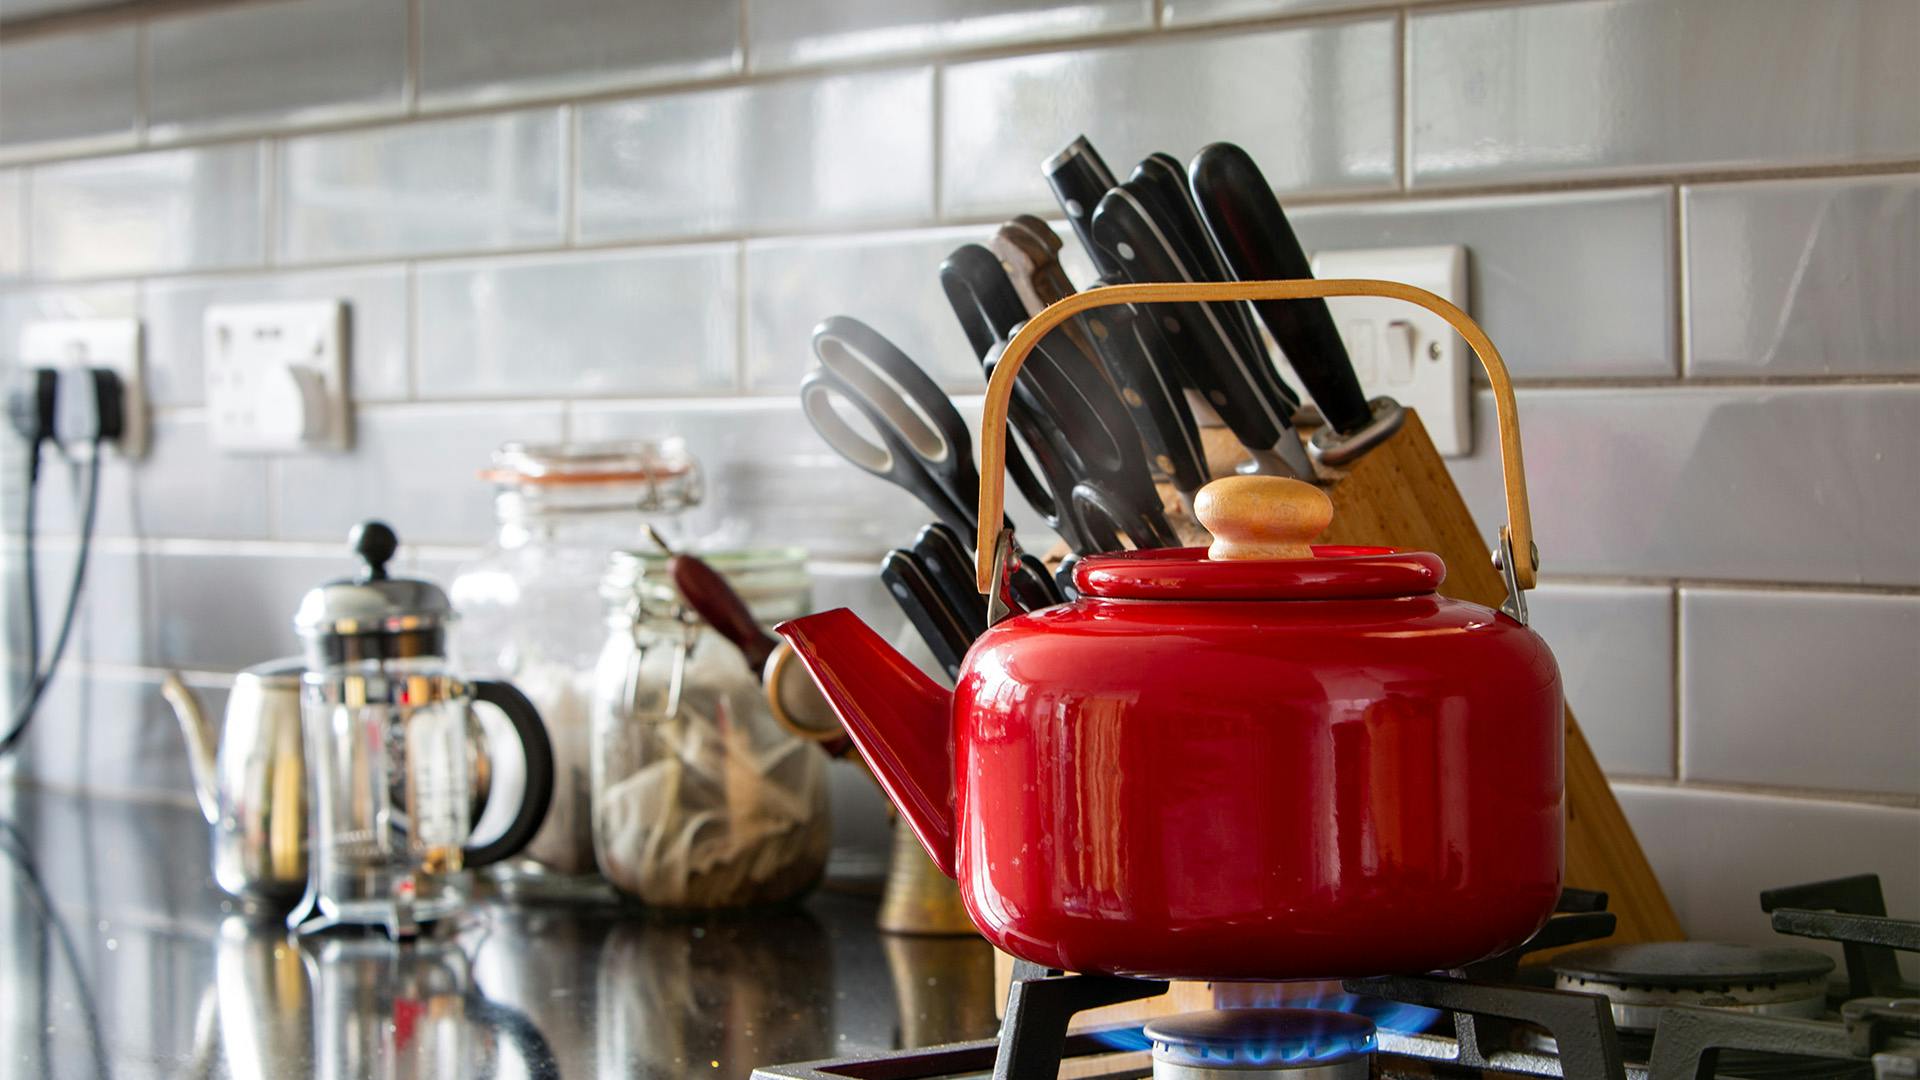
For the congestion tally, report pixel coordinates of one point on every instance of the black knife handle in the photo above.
(1252, 231)
(1206, 354)
(907, 581)
(1080, 179)
(1152, 395)
(1161, 182)
(943, 555)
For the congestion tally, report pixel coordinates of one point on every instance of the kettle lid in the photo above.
(1261, 528)
(371, 601)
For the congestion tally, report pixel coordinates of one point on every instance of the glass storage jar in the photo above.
(701, 800)
(530, 606)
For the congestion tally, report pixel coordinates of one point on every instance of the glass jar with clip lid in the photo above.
(530, 607)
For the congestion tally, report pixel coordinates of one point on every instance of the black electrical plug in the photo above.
(90, 407)
(31, 397)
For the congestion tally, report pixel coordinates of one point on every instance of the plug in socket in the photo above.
(114, 344)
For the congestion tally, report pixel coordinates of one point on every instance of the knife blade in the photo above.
(1253, 234)
(1163, 188)
(1209, 360)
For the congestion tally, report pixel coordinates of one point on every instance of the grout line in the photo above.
(938, 152)
(142, 81)
(743, 52)
(1891, 800)
(570, 172)
(1680, 266)
(1403, 99)
(742, 298)
(411, 286)
(1679, 659)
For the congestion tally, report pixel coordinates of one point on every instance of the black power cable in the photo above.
(100, 411)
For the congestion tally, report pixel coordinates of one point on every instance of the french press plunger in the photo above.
(389, 762)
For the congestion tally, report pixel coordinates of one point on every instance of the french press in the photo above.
(390, 767)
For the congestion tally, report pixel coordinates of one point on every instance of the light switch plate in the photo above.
(1403, 350)
(97, 343)
(276, 376)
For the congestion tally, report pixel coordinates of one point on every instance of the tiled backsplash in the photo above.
(1694, 228)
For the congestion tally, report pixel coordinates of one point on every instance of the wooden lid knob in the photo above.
(1262, 517)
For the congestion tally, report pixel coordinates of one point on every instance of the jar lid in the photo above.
(772, 581)
(371, 602)
(650, 474)
(1260, 527)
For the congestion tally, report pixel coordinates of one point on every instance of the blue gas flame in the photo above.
(1304, 1046)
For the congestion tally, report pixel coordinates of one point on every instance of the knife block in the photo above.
(1401, 495)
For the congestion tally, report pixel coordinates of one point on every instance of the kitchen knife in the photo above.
(906, 580)
(944, 558)
(1080, 179)
(1161, 182)
(1158, 405)
(1247, 223)
(1210, 361)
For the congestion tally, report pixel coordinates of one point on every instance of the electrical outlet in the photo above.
(1403, 350)
(114, 344)
(277, 376)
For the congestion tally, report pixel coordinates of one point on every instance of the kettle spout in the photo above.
(900, 719)
(200, 744)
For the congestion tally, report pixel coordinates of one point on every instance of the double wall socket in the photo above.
(277, 376)
(1402, 350)
(114, 344)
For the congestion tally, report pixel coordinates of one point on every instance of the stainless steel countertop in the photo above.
(119, 956)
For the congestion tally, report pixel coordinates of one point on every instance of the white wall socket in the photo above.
(276, 376)
(97, 343)
(1402, 350)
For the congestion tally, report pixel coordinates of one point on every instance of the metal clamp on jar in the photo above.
(391, 765)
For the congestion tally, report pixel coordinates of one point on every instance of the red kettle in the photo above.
(1259, 760)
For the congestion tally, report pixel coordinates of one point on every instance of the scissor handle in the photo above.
(1516, 535)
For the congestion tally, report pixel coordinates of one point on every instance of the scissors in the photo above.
(1098, 493)
(922, 442)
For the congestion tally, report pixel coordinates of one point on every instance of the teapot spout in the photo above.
(899, 718)
(200, 744)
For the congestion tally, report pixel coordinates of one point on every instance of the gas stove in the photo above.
(1661, 1011)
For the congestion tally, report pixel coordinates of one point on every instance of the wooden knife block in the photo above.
(1401, 495)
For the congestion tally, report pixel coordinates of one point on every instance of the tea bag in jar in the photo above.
(701, 800)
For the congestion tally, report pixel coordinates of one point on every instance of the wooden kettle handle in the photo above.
(1516, 535)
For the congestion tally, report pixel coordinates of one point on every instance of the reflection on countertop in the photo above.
(119, 957)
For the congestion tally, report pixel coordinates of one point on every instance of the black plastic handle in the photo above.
(1080, 179)
(1253, 233)
(1207, 353)
(538, 752)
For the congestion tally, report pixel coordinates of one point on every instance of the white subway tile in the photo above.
(198, 209)
(1609, 86)
(786, 33)
(18, 308)
(1714, 852)
(471, 184)
(281, 65)
(1567, 284)
(114, 734)
(655, 321)
(1804, 277)
(413, 467)
(13, 225)
(1805, 690)
(376, 298)
(1322, 116)
(890, 281)
(1614, 644)
(1197, 12)
(72, 90)
(475, 51)
(1805, 484)
(794, 154)
(183, 487)
(202, 612)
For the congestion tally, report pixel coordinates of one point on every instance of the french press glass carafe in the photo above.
(392, 766)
